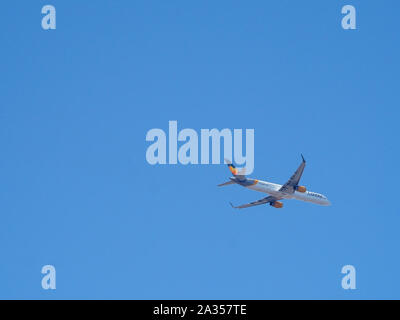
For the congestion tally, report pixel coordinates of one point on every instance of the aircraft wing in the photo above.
(289, 187)
(256, 203)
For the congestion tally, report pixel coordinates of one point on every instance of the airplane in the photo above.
(290, 190)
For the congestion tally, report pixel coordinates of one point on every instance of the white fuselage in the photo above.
(273, 190)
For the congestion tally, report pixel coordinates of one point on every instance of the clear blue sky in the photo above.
(76, 190)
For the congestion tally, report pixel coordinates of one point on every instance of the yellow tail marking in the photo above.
(233, 170)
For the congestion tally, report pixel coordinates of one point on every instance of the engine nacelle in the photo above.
(301, 189)
(277, 204)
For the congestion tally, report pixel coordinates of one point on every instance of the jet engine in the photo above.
(301, 189)
(277, 204)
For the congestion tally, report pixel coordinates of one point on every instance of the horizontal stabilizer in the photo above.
(226, 183)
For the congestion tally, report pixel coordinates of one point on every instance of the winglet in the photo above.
(232, 205)
(302, 158)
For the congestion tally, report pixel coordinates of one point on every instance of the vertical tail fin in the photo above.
(231, 167)
(240, 174)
